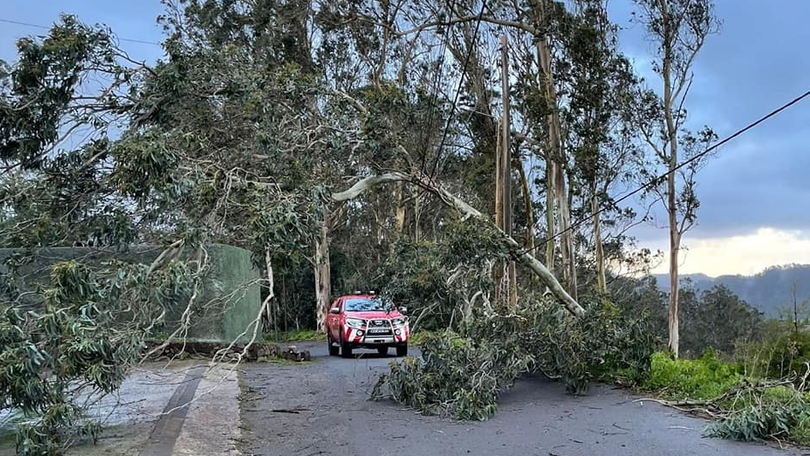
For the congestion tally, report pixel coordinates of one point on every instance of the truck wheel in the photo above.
(345, 349)
(383, 351)
(333, 349)
(402, 350)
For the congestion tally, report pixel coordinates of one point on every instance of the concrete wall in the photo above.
(217, 317)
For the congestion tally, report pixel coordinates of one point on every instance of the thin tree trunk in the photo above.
(550, 231)
(527, 206)
(400, 209)
(271, 295)
(417, 212)
(506, 153)
(597, 240)
(674, 233)
(497, 271)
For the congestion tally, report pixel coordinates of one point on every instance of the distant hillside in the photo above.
(768, 291)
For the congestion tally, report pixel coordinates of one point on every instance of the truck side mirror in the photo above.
(334, 310)
(403, 309)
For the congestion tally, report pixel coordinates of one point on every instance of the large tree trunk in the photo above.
(506, 156)
(323, 267)
(558, 170)
(323, 277)
(466, 211)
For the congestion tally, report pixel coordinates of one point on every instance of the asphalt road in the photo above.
(322, 409)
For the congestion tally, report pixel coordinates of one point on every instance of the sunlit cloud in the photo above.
(745, 254)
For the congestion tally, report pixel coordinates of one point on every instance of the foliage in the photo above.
(438, 279)
(463, 373)
(456, 375)
(718, 319)
(704, 378)
(781, 352)
(75, 346)
(760, 422)
(764, 412)
(419, 337)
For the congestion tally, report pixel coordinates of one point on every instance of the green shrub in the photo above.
(704, 378)
(782, 353)
(419, 337)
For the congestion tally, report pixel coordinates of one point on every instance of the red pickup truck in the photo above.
(366, 321)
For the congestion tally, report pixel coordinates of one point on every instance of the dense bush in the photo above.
(704, 378)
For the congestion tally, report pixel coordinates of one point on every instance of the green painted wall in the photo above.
(226, 307)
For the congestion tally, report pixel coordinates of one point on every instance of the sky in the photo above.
(755, 191)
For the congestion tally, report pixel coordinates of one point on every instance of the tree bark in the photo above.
(597, 240)
(672, 208)
(506, 164)
(271, 294)
(467, 212)
(550, 231)
(400, 209)
(527, 206)
(323, 268)
(323, 277)
(497, 271)
(557, 156)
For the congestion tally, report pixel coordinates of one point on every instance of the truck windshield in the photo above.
(367, 304)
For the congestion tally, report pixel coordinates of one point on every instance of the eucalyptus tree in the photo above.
(678, 30)
(65, 181)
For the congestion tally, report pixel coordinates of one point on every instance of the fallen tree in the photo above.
(468, 212)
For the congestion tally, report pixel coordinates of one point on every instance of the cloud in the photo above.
(744, 254)
(754, 190)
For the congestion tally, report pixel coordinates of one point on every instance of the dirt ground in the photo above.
(321, 408)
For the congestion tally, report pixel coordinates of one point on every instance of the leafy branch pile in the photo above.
(462, 374)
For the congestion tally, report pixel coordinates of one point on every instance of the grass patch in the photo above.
(283, 361)
(705, 378)
(294, 336)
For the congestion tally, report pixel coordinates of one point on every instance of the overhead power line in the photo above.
(681, 165)
(27, 24)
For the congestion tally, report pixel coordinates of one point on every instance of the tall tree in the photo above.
(678, 29)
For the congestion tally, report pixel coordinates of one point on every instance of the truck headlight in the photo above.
(355, 322)
(398, 321)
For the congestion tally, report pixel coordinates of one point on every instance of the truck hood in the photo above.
(374, 315)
